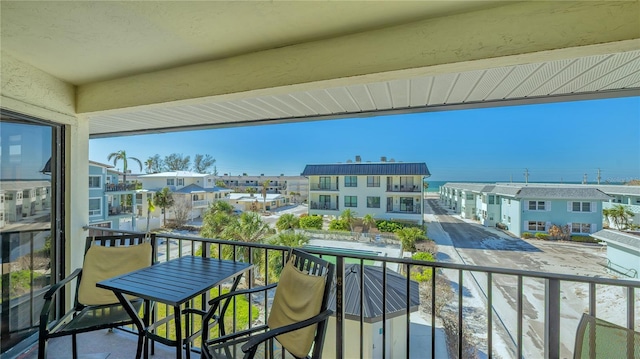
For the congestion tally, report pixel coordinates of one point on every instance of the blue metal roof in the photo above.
(367, 169)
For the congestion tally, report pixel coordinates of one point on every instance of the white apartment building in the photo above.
(296, 187)
(386, 190)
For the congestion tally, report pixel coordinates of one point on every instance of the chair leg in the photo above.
(141, 344)
(42, 347)
(74, 345)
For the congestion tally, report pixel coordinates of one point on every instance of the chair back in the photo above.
(112, 255)
(597, 338)
(302, 292)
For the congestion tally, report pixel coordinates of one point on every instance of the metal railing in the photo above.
(482, 311)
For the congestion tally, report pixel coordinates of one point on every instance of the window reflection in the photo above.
(25, 224)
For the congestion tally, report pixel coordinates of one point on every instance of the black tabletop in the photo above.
(176, 281)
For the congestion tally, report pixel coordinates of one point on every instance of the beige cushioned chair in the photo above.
(95, 308)
(296, 321)
(596, 338)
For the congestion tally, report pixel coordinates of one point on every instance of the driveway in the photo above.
(466, 242)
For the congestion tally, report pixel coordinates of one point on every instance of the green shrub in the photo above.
(311, 222)
(339, 225)
(527, 235)
(389, 226)
(584, 239)
(422, 274)
(542, 236)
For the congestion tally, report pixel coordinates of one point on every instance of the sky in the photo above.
(557, 142)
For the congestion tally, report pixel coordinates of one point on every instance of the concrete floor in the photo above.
(100, 344)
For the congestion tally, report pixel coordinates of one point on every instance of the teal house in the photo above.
(536, 209)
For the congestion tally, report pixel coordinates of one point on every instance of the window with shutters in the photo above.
(580, 227)
(581, 206)
(537, 226)
(537, 206)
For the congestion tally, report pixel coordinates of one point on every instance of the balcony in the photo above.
(404, 188)
(495, 313)
(323, 187)
(323, 206)
(121, 187)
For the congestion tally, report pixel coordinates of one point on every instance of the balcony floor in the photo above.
(100, 344)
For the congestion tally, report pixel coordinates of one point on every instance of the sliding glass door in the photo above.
(30, 179)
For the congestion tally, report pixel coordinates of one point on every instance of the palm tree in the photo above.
(164, 200)
(348, 216)
(248, 228)
(265, 186)
(619, 214)
(122, 156)
(368, 221)
(287, 221)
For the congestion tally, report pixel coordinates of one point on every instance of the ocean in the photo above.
(434, 186)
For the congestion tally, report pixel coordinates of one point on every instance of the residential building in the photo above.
(296, 187)
(623, 251)
(530, 208)
(385, 189)
(139, 76)
(256, 202)
(626, 196)
(23, 201)
(111, 202)
(194, 191)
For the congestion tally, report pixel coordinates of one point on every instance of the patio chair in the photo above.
(95, 308)
(297, 318)
(596, 338)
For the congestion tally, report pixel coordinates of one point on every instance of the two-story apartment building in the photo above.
(196, 190)
(296, 187)
(626, 196)
(532, 207)
(111, 202)
(386, 190)
(23, 200)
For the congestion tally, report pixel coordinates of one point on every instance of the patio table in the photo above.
(174, 283)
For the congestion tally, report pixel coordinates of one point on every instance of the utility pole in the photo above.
(526, 175)
(584, 179)
(598, 176)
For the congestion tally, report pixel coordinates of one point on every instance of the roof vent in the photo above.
(383, 159)
(358, 158)
(391, 160)
(349, 161)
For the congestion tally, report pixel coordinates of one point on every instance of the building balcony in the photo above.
(455, 311)
(404, 188)
(120, 187)
(323, 206)
(323, 187)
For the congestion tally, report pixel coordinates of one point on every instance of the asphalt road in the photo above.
(471, 243)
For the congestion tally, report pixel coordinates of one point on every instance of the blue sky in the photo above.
(555, 142)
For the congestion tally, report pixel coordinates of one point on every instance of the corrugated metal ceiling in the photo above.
(588, 77)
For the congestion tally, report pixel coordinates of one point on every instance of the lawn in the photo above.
(241, 317)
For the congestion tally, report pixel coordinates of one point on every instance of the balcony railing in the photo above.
(120, 187)
(323, 187)
(403, 188)
(323, 206)
(484, 311)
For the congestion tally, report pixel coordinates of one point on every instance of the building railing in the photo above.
(485, 311)
(120, 187)
(404, 188)
(323, 206)
(323, 187)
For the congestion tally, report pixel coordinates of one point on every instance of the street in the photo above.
(466, 242)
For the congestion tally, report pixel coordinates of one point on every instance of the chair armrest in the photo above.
(194, 311)
(48, 296)
(271, 333)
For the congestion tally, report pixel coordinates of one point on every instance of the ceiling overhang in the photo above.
(448, 55)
